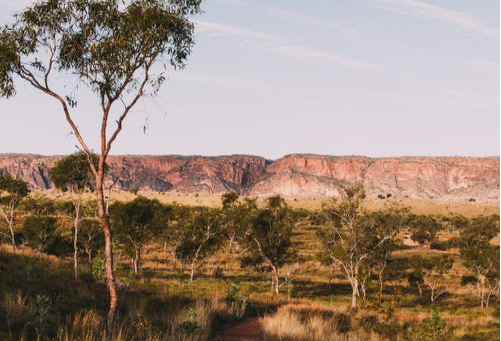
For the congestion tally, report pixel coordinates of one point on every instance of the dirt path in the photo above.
(248, 330)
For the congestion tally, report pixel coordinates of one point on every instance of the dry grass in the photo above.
(418, 206)
(311, 322)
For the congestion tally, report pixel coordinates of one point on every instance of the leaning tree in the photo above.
(118, 49)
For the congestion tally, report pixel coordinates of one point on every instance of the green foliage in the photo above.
(479, 255)
(15, 188)
(73, 172)
(424, 228)
(136, 223)
(433, 328)
(430, 271)
(236, 217)
(200, 231)
(91, 237)
(353, 239)
(39, 231)
(12, 191)
(228, 199)
(42, 309)
(270, 231)
(106, 43)
(475, 247)
(134, 190)
(98, 269)
(190, 326)
(40, 205)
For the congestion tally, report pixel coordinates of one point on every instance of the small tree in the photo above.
(136, 223)
(15, 190)
(480, 256)
(236, 215)
(424, 229)
(269, 237)
(200, 231)
(378, 262)
(430, 272)
(91, 236)
(433, 328)
(72, 174)
(38, 231)
(350, 236)
(172, 233)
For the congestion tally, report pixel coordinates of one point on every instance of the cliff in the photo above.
(297, 175)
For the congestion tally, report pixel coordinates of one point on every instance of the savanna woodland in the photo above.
(93, 263)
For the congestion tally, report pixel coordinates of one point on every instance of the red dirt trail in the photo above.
(248, 330)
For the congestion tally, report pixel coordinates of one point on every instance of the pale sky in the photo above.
(272, 77)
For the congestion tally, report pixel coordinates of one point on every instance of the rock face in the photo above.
(442, 178)
(297, 175)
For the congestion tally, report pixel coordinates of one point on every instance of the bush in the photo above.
(433, 328)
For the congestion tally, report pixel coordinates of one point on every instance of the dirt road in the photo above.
(248, 330)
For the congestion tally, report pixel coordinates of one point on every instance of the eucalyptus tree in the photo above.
(12, 191)
(269, 237)
(350, 235)
(91, 235)
(430, 272)
(231, 218)
(236, 217)
(136, 223)
(118, 49)
(481, 256)
(172, 235)
(38, 231)
(200, 231)
(424, 229)
(73, 175)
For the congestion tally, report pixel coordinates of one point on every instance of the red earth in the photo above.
(248, 330)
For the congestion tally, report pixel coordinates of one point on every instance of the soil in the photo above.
(248, 330)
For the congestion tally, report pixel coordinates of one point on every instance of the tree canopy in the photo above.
(72, 173)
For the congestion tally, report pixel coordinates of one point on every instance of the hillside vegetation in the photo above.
(188, 268)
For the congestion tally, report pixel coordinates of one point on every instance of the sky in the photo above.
(274, 77)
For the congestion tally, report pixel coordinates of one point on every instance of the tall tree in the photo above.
(350, 235)
(72, 174)
(15, 190)
(118, 49)
(269, 236)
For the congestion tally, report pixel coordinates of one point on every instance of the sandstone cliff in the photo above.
(297, 175)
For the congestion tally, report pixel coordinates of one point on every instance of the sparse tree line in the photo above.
(362, 244)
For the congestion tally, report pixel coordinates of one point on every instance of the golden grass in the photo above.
(418, 206)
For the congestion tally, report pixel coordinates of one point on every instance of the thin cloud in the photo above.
(301, 18)
(277, 45)
(220, 80)
(226, 30)
(424, 10)
(316, 55)
(295, 17)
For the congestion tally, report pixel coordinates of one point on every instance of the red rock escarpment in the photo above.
(416, 177)
(299, 175)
